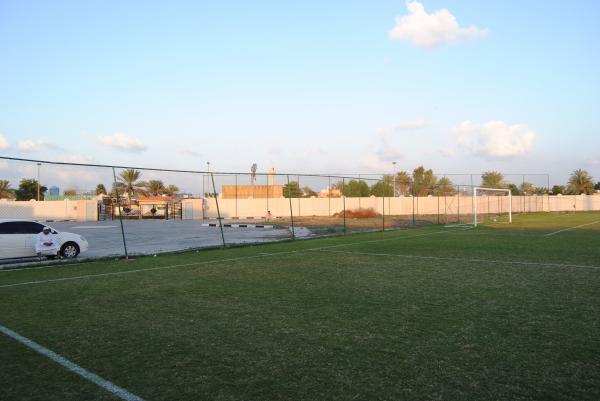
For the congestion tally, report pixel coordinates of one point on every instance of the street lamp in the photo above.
(38, 181)
(394, 177)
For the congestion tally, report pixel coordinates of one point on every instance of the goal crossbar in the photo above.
(483, 189)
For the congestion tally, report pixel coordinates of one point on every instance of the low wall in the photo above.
(430, 205)
(82, 210)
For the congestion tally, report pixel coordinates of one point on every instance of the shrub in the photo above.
(360, 213)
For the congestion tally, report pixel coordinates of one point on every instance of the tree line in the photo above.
(129, 182)
(421, 182)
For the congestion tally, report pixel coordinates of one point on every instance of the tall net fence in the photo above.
(126, 211)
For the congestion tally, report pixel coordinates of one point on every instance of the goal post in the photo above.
(499, 207)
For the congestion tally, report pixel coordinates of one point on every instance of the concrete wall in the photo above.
(82, 210)
(463, 205)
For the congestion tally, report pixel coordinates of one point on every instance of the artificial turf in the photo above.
(497, 312)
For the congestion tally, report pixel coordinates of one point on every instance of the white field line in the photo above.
(73, 367)
(507, 262)
(206, 262)
(571, 228)
(90, 227)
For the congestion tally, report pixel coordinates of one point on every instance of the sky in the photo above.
(309, 87)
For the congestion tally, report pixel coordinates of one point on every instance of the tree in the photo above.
(444, 187)
(28, 190)
(100, 189)
(558, 189)
(70, 192)
(5, 190)
(292, 190)
(120, 187)
(383, 187)
(527, 188)
(253, 173)
(155, 187)
(580, 182)
(307, 192)
(171, 190)
(493, 179)
(514, 190)
(354, 188)
(130, 177)
(423, 181)
(403, 183)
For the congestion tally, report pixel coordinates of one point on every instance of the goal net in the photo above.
(491, 204)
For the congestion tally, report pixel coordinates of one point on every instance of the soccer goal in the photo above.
(491, 204)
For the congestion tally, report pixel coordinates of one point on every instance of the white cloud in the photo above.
(432, 30)
(122, 142)
(411, 124)
(34, 146)
(3, 143)
(188, 152)
(447, 152)
(495, 139)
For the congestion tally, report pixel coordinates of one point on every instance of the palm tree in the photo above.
(492, 179)
(444, 187)
(130, 177)
(580, 182)
(155, 187)
(171, 190)
(5, 190)
(403, 182)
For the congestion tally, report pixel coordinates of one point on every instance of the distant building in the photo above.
(271, 190)
(330, 193)
(54, 191)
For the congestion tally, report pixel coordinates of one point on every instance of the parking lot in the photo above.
(156, 236)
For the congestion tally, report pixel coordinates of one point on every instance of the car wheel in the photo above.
(69, 250)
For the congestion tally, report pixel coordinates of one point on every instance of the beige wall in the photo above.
(280, 207)
(83, 210)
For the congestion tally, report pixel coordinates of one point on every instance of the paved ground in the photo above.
(154, 236)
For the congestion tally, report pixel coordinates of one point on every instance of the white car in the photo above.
(17, 239)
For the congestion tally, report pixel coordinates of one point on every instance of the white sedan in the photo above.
(17, 239)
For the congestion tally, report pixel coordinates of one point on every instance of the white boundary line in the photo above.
(73, 367)
(508, 262)
(571, 228)
(206, 262)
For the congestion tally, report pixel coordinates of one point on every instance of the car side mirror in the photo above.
(54, 232)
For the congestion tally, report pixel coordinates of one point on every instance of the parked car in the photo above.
(17, 239)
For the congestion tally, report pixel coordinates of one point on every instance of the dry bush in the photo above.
(360, 213)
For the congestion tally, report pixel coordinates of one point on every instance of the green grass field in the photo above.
(494, 313)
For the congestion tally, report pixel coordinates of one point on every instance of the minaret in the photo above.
(271, 180)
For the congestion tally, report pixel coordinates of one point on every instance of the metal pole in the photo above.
(218, 211)
(329, 197)
(474, 209)
(344, 202)
(291, 209)
(394, 179)
(383, 211)
(38, 181)
(120, 214)
(412, 189)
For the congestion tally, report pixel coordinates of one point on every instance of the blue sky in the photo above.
(312, 86)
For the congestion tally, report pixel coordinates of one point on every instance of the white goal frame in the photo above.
(492, 190)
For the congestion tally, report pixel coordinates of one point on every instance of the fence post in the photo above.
(120, 213)
(383, 211)
(291, 209)
(344, 202)
(218, 211)
(412, 189)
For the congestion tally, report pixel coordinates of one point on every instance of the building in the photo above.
(271, 190)
(54, 191)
